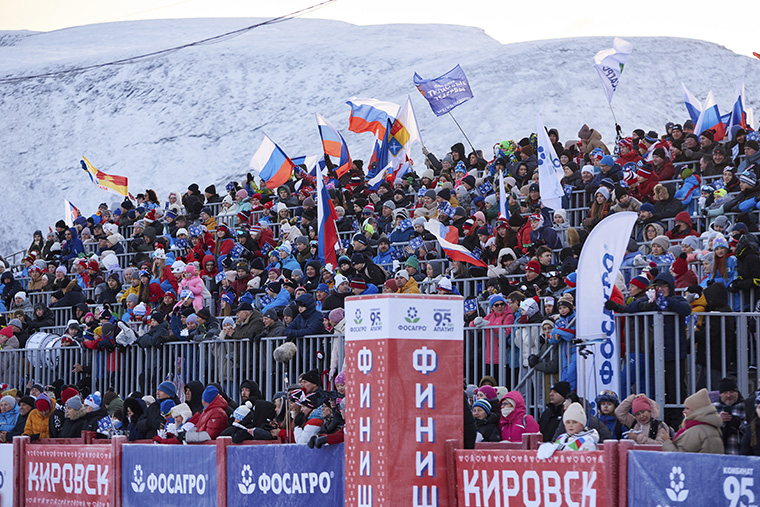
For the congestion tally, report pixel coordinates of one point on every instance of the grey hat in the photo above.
(389, 204)
(663, 241)
(16, 322)
(419, 221)
(431, 194)
(691, 241)
(721, 221)
(132, 298)
(271, 313)
(302, 239)
(75, 402)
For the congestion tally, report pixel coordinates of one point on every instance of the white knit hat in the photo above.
(575, 412)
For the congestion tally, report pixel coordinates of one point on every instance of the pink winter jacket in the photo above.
(504, 319)
(517, 423)
(195, 285)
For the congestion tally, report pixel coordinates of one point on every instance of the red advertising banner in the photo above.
(517, 478)
(64, 475)
(404, 362)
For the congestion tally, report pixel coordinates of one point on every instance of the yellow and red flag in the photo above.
(111, 183)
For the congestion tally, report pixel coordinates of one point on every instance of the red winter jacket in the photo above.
(213, 419)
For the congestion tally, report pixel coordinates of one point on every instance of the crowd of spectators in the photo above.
(245, 263)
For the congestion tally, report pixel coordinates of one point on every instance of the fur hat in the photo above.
(285, 352)
(182, 410)
(575, 412)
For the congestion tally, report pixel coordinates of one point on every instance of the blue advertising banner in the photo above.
(166, 475)
(285, 475)
(445, 92)
(670, 479)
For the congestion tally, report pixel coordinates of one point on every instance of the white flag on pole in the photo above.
(550, 171)
(609, 64)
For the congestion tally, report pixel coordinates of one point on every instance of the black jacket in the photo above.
(489, 428)
(550, 420)
(150, 422)
(72, 428)
(307, 322)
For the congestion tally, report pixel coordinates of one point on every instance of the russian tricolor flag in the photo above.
(272, 165)
(693, 105)
(370, 115)
(710, 118)
(334, 145)
(454, 251)
(327, 231)
(738, 116)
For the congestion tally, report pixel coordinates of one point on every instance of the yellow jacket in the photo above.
(37, 424)
(131, 290)
(410, 287)
(210, 224)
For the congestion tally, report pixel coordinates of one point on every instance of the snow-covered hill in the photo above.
(198, 114)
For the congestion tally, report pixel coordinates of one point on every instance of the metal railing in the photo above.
(713, 346)
(135, 368)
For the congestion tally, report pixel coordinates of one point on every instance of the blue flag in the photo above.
(219, 277)
(445, 92)
(486, 188)
(397, 253)
(477, 252)
(266, 248)
(470, 305)
(236, 251)
(415, 242)
(446, 208)
(405, 224)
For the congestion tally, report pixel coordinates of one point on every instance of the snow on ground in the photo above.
(198, 114)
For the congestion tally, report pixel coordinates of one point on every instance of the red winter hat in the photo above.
(533, 266)
(627, 142)
(93, 265)
(43, 403)
(67, 393)
(680, 266)
(640, 404)
(684, 217)
(358, 283)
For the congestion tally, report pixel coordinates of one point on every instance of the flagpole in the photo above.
(618, 137)
(462, 131)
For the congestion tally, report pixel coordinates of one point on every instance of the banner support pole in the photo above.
(618, 136)
(462, 131)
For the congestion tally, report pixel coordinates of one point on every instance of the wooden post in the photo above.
(117, 443)
(221, 470)
(19, 466)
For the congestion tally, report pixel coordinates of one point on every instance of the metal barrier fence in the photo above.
(665, 365)
(134, 368)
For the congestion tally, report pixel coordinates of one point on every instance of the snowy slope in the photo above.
(198, 114)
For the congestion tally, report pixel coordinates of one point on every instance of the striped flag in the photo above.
(454, 251)
(70, 212)
(334, 146)
(271, 164)
(370, 115)
(116, 184)
(327, 231)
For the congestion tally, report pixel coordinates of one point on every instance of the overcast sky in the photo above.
(503, 20)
